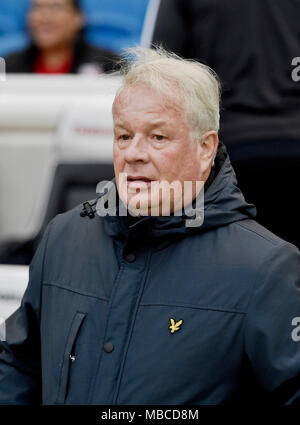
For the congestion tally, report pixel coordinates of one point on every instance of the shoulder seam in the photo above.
(262, 236)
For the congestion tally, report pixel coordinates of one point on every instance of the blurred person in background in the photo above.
(57, 42)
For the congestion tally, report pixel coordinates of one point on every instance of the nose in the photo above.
(137, 150)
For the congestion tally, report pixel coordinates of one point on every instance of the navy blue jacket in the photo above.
(95, 327)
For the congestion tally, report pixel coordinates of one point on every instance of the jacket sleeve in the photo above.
(272, 331)
(20, 352)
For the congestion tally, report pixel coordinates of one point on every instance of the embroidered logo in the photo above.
(175, 326)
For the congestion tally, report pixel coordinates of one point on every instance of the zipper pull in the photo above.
(72, 358)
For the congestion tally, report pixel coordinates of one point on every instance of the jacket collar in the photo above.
(224, 203)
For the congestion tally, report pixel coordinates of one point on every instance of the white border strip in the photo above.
(149, 23)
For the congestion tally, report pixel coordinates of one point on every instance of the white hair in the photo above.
(179, 80)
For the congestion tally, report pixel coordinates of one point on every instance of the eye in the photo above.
(123, 137)
(158, 137)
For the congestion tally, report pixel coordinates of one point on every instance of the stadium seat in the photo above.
(12, 15)
(13, 35)
(12, 43)
(72, 185)
(115, 24)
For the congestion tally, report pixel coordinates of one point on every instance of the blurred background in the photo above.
(61, 77)
(110, 24)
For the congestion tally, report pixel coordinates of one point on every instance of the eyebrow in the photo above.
(151, 125)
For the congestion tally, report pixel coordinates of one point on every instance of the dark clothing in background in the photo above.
(84, 55)
(250, 44)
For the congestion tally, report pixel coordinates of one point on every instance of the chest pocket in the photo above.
(69, 357)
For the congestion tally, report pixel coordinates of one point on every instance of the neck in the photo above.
(57, 56)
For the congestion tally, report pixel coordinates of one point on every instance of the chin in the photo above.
(139, 201)
(45, 42)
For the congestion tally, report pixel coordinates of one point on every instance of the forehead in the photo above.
(141, 100)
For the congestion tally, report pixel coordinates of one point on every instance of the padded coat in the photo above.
(95, 324)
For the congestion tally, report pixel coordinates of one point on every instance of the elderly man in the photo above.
(143, 308)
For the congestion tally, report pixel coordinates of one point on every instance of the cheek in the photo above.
(63, 27)
(180, 164)
(32, 22)
(171, 161)
(166, 164)
(73, 25)
(118, 160)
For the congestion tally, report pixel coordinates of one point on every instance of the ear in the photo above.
(207, 147)
(81, 21)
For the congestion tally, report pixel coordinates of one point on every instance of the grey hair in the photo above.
(197, 85)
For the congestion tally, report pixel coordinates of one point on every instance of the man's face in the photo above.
(152, 142)
(53, 23)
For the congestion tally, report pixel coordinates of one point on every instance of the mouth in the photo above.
(45, 29)
(138, 182)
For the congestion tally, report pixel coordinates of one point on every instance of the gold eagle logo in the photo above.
(175, 326)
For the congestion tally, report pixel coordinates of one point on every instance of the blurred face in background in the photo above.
(54, 23)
